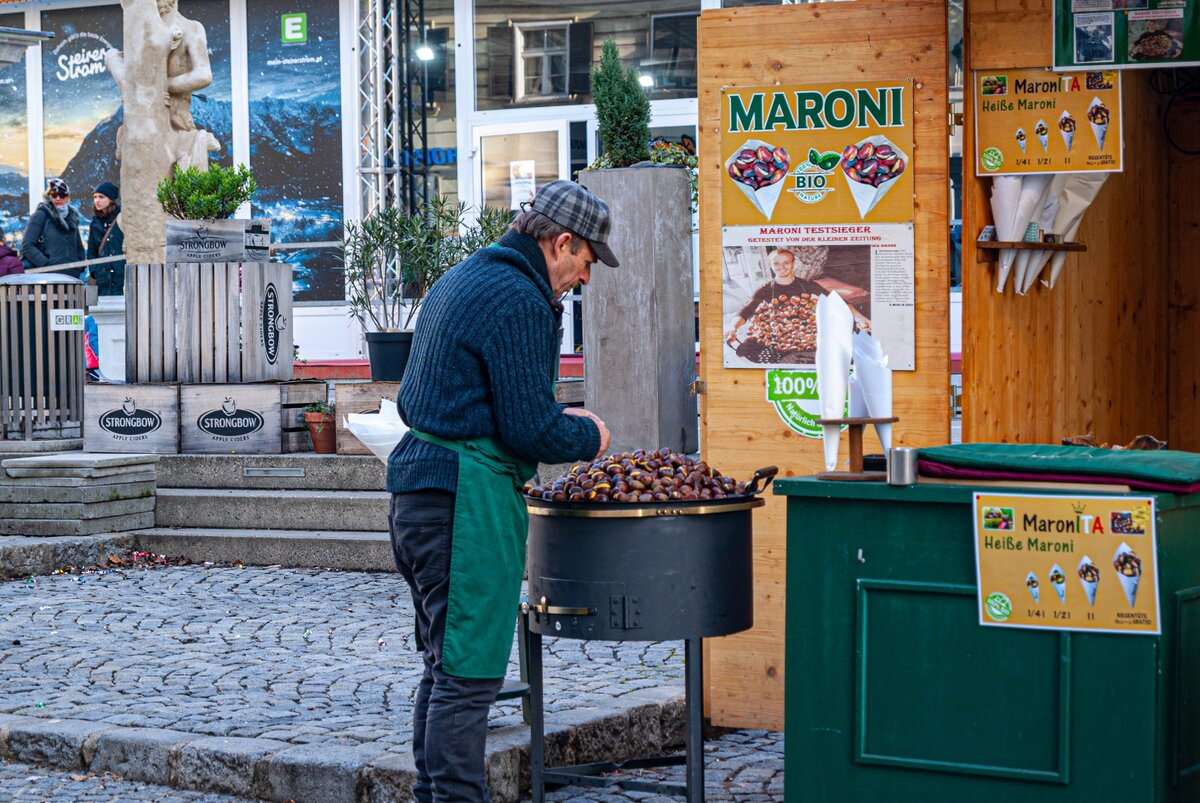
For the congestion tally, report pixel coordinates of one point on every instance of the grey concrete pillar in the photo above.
(639, 346)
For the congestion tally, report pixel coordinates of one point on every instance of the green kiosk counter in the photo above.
(1074, 676)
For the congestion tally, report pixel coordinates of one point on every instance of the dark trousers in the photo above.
(450, 715)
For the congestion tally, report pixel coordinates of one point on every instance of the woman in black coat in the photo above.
(105, 239)
(52, 236)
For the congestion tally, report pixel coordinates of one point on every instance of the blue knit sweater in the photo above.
(482, 364)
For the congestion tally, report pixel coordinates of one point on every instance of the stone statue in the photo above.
(165, 60)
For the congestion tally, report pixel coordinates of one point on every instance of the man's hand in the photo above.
(605, 437)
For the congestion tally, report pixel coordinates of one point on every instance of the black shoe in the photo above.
(93, 375)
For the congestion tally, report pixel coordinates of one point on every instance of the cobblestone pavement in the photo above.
(741, 767)
(22, 783)
(297, 655)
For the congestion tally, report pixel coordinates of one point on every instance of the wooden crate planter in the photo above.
(293, 396)
(138, 419)
(208, 322)
(230, 419)
(358, 397)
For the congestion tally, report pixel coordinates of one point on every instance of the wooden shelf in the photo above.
(985, 251)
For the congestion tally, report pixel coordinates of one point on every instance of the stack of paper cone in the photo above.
(835, 325)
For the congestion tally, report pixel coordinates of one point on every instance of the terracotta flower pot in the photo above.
(322, 431)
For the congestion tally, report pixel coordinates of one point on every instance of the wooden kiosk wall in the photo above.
(1113, 348)
(811, 43)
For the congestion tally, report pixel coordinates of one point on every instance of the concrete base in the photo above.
(349, 551)
(40, 445)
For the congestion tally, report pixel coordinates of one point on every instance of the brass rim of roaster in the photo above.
(607, 510)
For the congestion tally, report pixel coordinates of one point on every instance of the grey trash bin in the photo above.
(41, 356)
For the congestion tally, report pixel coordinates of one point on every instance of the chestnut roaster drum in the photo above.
(655, 571)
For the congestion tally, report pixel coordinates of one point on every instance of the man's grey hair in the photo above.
(540, 227)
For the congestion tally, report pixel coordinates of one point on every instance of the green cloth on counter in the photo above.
(1164, 466)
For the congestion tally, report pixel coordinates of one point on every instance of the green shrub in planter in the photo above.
(214, 194)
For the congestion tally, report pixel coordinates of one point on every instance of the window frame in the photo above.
(519, 52)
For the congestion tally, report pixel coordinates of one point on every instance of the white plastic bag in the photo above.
(381, 431)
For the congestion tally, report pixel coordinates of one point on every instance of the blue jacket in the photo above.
(483, 364)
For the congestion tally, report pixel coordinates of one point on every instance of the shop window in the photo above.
(14, 143)
(673, 51)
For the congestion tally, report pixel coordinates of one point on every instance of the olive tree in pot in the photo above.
(649, 194)
(391, 260)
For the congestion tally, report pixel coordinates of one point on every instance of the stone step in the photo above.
(359, 511)
(77, 526)
(287, 472)
(352, 551)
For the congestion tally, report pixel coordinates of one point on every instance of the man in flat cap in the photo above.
(478, 394)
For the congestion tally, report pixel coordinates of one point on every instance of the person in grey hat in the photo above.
(478, 396)
(52, 235)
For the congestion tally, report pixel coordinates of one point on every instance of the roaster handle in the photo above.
(544, 608)
(767, 474)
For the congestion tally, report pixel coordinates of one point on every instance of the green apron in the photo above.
(487, 556)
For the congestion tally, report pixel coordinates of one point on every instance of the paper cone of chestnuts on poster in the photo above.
(758, 168)
(871, 168)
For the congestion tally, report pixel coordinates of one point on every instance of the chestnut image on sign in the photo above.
(640, 476)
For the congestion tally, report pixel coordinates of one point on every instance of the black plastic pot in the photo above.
(388, 353)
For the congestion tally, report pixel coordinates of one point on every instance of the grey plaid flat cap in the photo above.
(580, 211)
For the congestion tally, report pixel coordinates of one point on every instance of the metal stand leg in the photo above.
(693, 657)
(537, 722)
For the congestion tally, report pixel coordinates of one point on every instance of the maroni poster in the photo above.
(816, 198)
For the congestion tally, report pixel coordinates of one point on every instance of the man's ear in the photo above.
(562, 241)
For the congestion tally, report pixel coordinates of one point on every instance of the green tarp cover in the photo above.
(1163, 466)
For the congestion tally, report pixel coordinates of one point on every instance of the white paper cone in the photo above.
(764, 198)
(1128, 584)
(866, 196)
(1038, 259)
(1068, 136)
(1044, 137)
(1021, 139)
(1078, 192)
(1100, 132)
(1033, 589)
(1006, 192)
(1069, 139)
(858, 405)
(1089, 587)
(835, 325)
(1029, 203)
(1059, 588)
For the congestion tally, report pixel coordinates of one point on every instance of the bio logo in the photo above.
(293, 28)
(991, 159)
(998, 606)
(812, 176)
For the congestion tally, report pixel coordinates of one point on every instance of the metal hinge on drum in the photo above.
(544, 608)
(624, 612)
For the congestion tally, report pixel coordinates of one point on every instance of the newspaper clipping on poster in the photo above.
(773, 275)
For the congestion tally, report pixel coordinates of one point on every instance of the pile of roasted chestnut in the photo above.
(786, 322)
(639, 476)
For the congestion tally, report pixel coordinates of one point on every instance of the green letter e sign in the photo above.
(293, 28)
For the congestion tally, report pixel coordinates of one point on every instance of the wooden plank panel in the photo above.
(358, 397)
(155, 345)
(188, 320)
(255, 367)
(170, 321)
(40, 327)
(1089, 355)
(741, 432)
(8, 358)
(214, 284)
(281, 275)
(229, 419)
(206, 324)
(144, 303)
(233, 322)
(1183, 299)
(140, 419)
(131, 322)
(1011, 33)
(26, 368)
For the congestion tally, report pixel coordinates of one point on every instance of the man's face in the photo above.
(784, 266)
(165, 7)
(567, 269)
